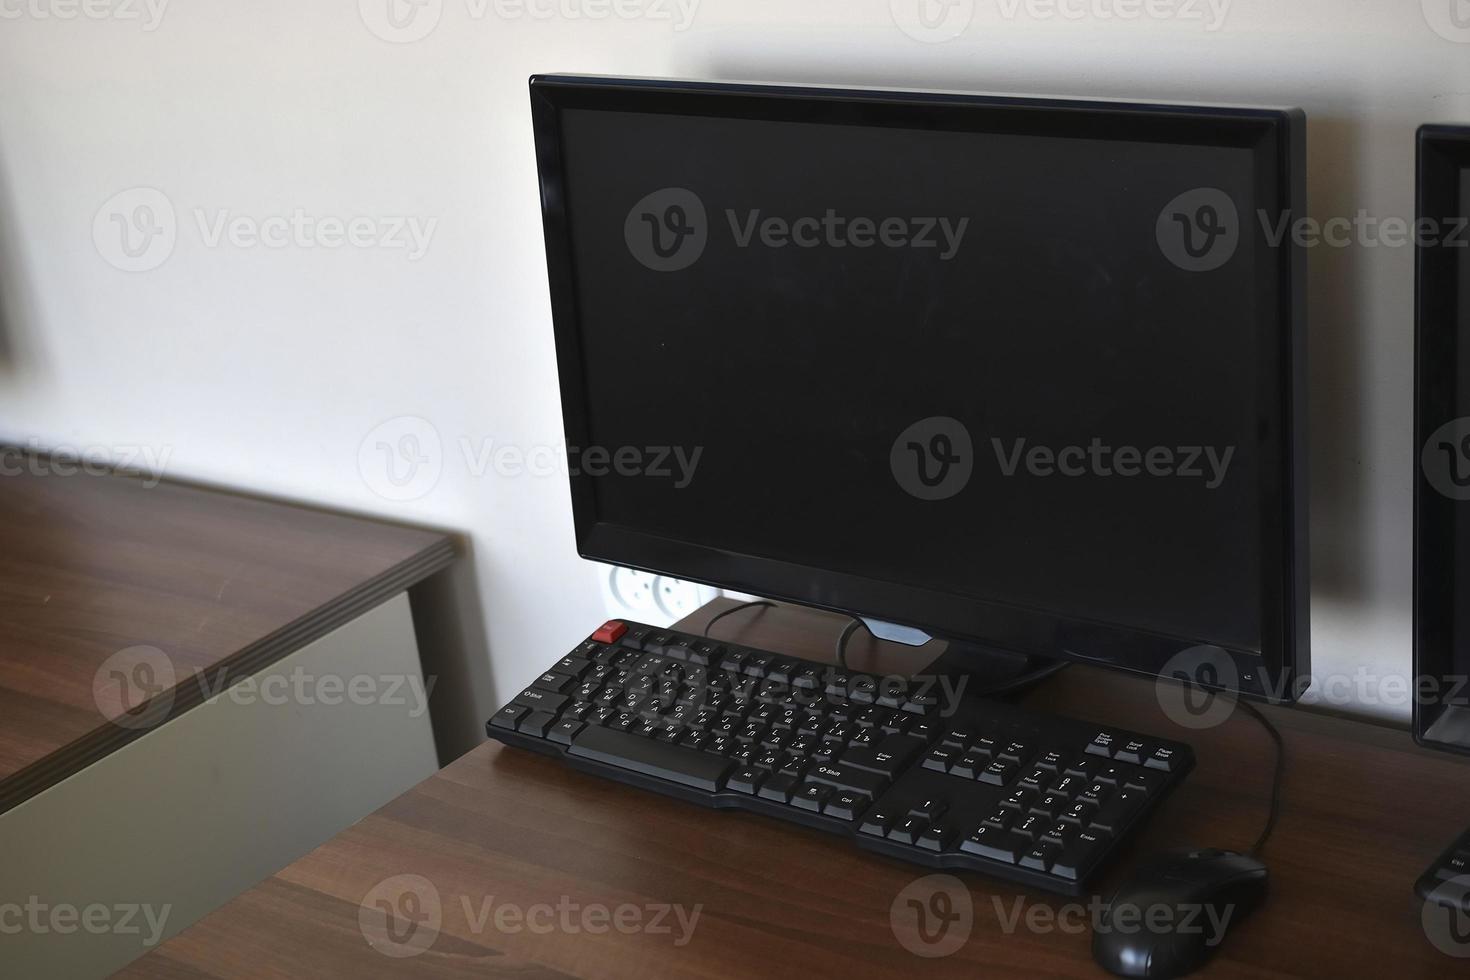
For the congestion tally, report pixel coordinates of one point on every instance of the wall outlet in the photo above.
(657, 600)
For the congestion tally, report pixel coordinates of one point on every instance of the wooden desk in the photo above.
(94, 565)
(1365, 812)
(249, 616)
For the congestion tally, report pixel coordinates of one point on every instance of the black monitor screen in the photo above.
(1007, 366)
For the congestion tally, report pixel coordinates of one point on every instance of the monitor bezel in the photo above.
(1442, 156)
(1275, 138)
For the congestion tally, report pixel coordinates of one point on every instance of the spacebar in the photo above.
(698, 769)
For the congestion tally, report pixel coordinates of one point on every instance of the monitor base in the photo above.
(987, 671)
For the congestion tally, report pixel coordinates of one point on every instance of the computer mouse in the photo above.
(1170, 917)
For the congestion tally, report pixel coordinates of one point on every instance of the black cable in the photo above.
(735, 609)
(1023, 680)
(847, 632)
(1277, 780)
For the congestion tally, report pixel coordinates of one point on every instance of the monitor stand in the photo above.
(982, 669)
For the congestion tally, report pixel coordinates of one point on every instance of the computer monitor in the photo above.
(1442, 425)
(1021, 373)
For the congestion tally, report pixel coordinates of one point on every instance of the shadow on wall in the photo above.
(1345, 549)
(449, 622)
(16, 310)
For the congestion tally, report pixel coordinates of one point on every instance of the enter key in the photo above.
(888, 756)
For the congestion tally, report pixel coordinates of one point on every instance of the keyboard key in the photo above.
(1039, 858)
(810, 797)
(888, 756)
(929, 809)
(554, 682)
(877, 822)
(778, 788)
(1001, 819)
(1163, 758)
(545, 701)
(746, 779)
(610, 631)
(996, 845)
(939, 759)
(1075, 859)
(840, 776)
(536, 723)
(697, 769)
(908, 830)
(1118, 811)
(1144, 780)
(845, 804)
(1102, 745)
(999, 773)
(968, 766)
(507, 716)
(937, 838)
(563, 731)
(1050, 761)
(1133, 752)
(1031, 826)
(1035, 779)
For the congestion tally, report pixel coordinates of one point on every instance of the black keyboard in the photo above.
(982, 785)
(1447, 882)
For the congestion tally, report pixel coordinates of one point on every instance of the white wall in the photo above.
(267, 368)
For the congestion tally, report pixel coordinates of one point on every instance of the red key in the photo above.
(609, 631)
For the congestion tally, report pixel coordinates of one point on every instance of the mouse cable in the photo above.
(1277, 780)
(1004, 687)
(761, 603)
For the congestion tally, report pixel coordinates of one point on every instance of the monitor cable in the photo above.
(756, 603)
(1277, 780)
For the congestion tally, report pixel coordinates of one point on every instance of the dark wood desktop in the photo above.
(1365, 812)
